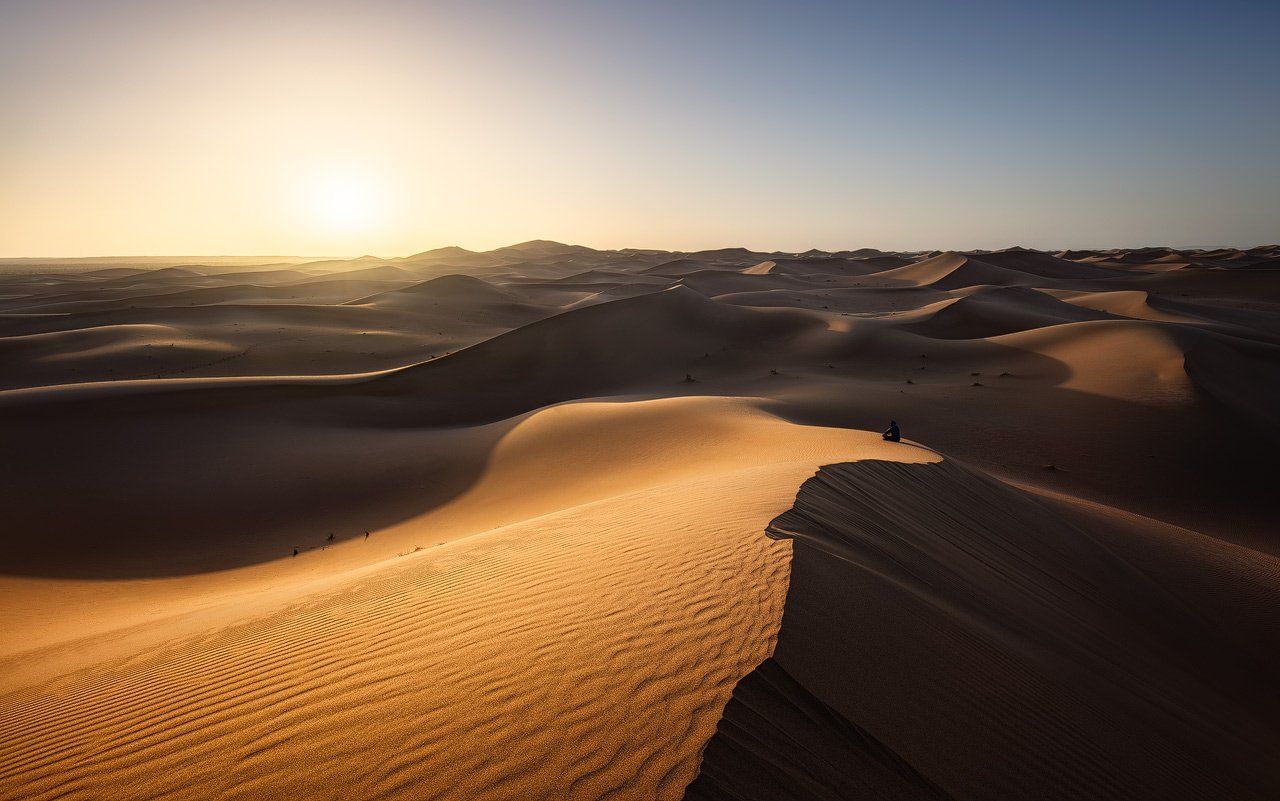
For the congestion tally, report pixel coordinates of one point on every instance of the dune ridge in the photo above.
(491, 525)
(598, 671)
(1034, 651)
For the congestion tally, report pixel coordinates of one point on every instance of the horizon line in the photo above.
(342, 257)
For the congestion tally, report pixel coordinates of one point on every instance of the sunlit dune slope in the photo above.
(579, 641)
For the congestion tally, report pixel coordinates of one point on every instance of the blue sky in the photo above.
(145, 127)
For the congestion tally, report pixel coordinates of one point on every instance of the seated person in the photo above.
(893, 434)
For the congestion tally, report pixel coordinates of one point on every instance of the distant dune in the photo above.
(493, 525)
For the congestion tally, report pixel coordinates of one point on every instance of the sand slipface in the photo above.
(565, 461)
(946, 635)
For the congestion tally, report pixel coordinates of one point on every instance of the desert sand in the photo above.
(555, 522)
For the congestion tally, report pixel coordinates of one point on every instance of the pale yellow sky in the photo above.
(142, 127)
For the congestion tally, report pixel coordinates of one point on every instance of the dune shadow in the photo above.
(167, 485)
(944, 632)
(1010, 410)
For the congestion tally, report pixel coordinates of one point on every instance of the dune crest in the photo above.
(490, 525)
(956, 633)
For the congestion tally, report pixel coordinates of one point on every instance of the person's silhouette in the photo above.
(892, 434)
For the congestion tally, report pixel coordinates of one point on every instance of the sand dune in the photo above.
(611, 276)
(262, 276)
(587, 352)
(566, 461)
(1124, 303)
(952, 270)
(445, 289)
(1241, 380)
(599, 595)
(129, 349)
(313, 290)
(1046, 265)
(715, 283)
(826, 266)
(1042, 650)
(679, 267)
(994, 311)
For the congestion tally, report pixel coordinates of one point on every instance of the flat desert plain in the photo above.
(549, 522)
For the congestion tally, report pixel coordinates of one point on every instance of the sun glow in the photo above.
(345, 201)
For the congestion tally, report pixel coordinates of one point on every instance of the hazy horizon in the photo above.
(391, 127)
(391, 256)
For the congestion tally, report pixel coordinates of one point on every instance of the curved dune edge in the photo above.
(565, 464)
(945, 634)
(581, 652)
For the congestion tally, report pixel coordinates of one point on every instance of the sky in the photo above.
(141, 127)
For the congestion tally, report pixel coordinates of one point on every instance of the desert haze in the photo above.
(555, 522)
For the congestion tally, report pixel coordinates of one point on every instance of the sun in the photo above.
(345, 200)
